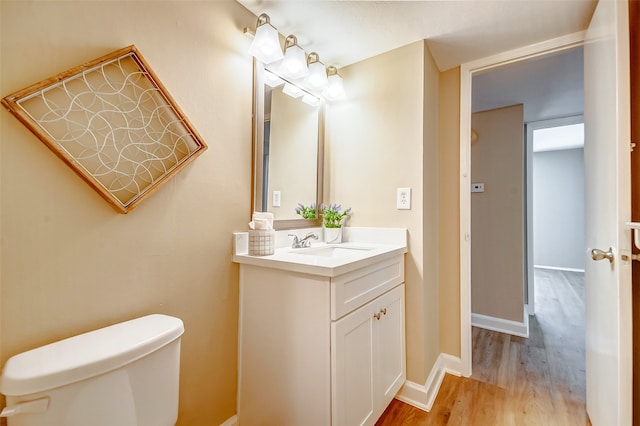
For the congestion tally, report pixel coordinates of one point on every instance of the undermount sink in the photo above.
(332, 251)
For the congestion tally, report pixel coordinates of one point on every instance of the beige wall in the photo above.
(376, 142)
(449, 205)
(69, 262)
(497, 160)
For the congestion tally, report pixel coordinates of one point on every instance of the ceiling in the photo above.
(457, 31)
(549, 87)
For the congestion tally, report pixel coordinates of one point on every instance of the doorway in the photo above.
(555, 198)
(608, 284)
(470, 71)
(544, 95)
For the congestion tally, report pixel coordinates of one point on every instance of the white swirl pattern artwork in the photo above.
(112, 122)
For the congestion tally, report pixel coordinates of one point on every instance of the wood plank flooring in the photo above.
(518, 381)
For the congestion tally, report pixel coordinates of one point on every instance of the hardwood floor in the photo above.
(518, 381)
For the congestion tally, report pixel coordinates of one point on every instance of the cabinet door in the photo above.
(389, 348)
(352, 369)
(368, 360)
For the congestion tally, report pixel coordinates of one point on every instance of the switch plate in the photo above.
(477, 187)
(403, 201)
(276, 199)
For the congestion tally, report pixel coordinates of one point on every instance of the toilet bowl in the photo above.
(126, 374)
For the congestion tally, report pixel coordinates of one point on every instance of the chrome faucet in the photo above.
(303, 242)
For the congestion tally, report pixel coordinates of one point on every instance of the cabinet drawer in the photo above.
(354, 289)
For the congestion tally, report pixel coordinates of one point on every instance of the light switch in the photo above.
(276, 199)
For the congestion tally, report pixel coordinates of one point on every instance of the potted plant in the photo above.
(307, 212)
(332, 221)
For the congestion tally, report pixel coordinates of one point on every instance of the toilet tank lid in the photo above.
(87, 355)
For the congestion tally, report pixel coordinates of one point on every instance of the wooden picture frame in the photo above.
(113, 123)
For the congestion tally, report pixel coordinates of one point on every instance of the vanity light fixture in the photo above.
(293, 91)
(317, 77)
(272, 80)
(266, 43)
(294, 64)
(335, 88)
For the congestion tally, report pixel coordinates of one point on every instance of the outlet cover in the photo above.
(403, 201)
(276, 199)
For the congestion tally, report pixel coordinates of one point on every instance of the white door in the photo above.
(607, 204)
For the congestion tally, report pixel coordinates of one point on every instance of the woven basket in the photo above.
(261, 242)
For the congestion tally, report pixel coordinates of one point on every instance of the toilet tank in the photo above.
(126, 374)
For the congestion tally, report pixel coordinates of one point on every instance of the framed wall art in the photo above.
(113, 123)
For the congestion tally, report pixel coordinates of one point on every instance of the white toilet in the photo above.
(125, 375)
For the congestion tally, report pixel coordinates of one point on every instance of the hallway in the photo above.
(518, 381)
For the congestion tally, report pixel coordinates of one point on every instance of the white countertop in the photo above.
(361, 247)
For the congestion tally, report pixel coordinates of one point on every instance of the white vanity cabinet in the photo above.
(320, 350)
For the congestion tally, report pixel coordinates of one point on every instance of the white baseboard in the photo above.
(502, 325)
(233, 421)
(558, 268)
(423, 396)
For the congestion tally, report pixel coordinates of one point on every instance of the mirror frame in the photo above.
(257, 135)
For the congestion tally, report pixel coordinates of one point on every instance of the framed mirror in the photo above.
(288, 147)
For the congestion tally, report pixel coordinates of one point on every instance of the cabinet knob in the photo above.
(377, 316)
(384, 311)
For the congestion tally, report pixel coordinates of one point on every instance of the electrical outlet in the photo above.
(403, 201)
(276, 199)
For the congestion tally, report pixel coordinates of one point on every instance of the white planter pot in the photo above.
(332, 235)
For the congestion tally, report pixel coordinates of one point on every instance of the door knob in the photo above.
(597, 254)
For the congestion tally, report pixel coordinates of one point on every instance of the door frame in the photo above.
(467, 70)
(530, 127)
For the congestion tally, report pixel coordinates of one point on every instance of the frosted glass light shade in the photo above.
(317, 75)
(293, 91)
(335, 88)
(294, 64)
(266, 45)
